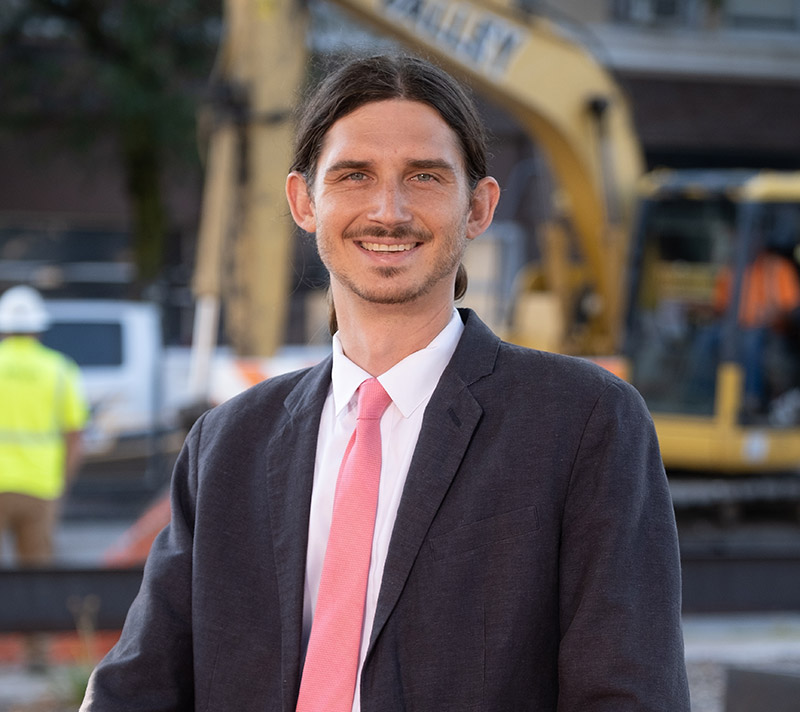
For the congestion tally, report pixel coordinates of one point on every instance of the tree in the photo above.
(135, 68)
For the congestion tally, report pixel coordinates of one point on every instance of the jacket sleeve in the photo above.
(151, 667)
(620, 595)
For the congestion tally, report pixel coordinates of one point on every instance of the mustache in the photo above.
(397, 233)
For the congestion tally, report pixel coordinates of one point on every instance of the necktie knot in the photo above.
(372, 400)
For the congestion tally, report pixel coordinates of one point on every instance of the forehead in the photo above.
(394, 128)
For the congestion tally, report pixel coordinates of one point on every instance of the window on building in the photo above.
(651, 12)
(763, 14)
(778, 15)
(88, 343)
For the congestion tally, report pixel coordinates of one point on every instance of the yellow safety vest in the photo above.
(40, 400)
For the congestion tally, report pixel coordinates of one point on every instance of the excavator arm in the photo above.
(559, 93)
(568, 103)
(245, 232)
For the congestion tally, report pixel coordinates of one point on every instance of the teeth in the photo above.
(379, 247)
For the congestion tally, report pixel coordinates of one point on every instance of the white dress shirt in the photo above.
(410, 385)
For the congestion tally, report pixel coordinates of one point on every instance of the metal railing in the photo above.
(765, 15)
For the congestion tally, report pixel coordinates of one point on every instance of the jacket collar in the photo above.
(451, 417)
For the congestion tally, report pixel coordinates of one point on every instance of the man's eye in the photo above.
(356, 176)
(424, 177)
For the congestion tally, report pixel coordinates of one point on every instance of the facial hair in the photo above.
(445, 264)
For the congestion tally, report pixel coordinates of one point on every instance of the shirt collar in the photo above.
(19, 341)
(410, 382)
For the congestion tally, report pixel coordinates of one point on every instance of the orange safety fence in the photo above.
(134, 545)
(62, 648)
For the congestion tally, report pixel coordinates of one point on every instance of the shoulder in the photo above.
(566, 380)
(508, 372)
(273, 400)
(558, 369)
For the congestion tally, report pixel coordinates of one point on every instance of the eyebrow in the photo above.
(347, 165)
(416, 164)
(432, 164)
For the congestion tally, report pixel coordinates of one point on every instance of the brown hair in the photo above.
(379, 78)
(364, 80)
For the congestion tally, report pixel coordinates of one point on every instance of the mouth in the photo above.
(390, 247)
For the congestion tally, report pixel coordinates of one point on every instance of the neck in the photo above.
(378, 336)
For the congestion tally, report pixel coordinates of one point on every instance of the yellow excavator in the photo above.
(712, 335)
(557, 91)
(640, 292)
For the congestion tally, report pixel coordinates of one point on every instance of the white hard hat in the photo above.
(22, 311)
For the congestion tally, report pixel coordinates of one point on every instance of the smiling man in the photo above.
(431, 519)
(393, 210)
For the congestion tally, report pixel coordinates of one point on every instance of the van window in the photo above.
(90, 344)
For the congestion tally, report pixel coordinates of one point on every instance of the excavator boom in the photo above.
(560, 94)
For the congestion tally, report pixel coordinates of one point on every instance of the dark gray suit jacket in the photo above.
(533, 565)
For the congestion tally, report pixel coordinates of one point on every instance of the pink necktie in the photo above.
(329, 673)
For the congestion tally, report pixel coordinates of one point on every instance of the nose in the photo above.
(389, 204)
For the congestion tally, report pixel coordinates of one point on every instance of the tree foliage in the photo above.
(135, 69)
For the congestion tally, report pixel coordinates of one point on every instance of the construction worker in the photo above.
(42, 414)
(770, 295)
(769, 304)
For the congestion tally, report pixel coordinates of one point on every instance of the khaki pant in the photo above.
(31, 522)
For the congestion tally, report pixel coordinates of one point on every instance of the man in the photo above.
(42, 414)
(523, 555)
(769, 307)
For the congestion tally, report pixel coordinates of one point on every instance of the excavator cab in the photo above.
(713, 325)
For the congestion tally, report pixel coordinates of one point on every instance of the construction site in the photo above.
(649, 164)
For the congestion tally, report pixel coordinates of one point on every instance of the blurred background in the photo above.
(649, 155)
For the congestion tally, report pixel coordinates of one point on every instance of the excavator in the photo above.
(519, 59)
(522, 61)
(626, 263)
(712, 331)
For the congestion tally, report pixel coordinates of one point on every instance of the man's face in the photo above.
(390, 204)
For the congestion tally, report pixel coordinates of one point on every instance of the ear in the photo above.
(301, 204)
(483, 202)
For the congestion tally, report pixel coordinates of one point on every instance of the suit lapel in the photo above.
(450, 418)
(290, 473)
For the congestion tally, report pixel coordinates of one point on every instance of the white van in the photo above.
(118, 346)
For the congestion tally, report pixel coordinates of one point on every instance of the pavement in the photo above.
(714, 643)
(717, 644)
(79, 543)
(742, 639)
